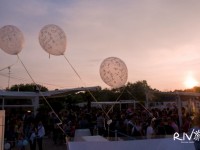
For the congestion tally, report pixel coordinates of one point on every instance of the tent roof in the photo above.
(61, 92)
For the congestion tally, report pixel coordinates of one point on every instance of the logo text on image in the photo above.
(188, 138)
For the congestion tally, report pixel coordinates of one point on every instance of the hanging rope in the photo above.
(106, 113)
(9, 66)
(84, 84)
(24, 79)
(141, 104)
(42, 95)
(116, 100)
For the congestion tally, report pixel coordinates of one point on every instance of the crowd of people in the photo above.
(25, 128)
(22, 129)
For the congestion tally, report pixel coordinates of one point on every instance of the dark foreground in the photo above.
(48, 145)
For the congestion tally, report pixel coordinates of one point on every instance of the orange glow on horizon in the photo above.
(190, 81)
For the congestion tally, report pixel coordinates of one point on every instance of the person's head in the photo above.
(40, 123)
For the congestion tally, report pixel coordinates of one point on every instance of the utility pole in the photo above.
(179, 104)
(9, 77)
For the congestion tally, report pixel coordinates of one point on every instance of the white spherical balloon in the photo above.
(11, 39)
(114, 72)
(53, 39)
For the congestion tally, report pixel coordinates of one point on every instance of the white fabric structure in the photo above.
(35, 96)
(79, 133)
(95, 138)
(150, 144)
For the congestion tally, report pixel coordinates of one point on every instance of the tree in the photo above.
(194, 89)
(138, 90)
(135, 91)
(28, 87)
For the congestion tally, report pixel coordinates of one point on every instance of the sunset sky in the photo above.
(159, 41)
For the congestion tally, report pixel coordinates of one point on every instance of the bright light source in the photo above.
(190, 82)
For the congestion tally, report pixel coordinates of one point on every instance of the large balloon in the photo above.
(53, 39)
(114, 72)
(11, 39)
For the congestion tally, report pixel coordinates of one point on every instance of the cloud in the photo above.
(152, 37)
(130, 25)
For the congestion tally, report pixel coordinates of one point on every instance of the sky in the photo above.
(158, 40)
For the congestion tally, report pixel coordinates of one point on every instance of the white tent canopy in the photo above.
(34, 96)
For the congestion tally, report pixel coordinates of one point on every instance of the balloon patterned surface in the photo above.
(114, 72)
(53, 39)
(11, 39)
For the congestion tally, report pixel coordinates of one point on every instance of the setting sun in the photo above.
(190, 82)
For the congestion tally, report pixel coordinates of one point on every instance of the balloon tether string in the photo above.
(141, 104)
(106, 113)
(41, 93)
(9, 65)
(84, 84)
(116, 100)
